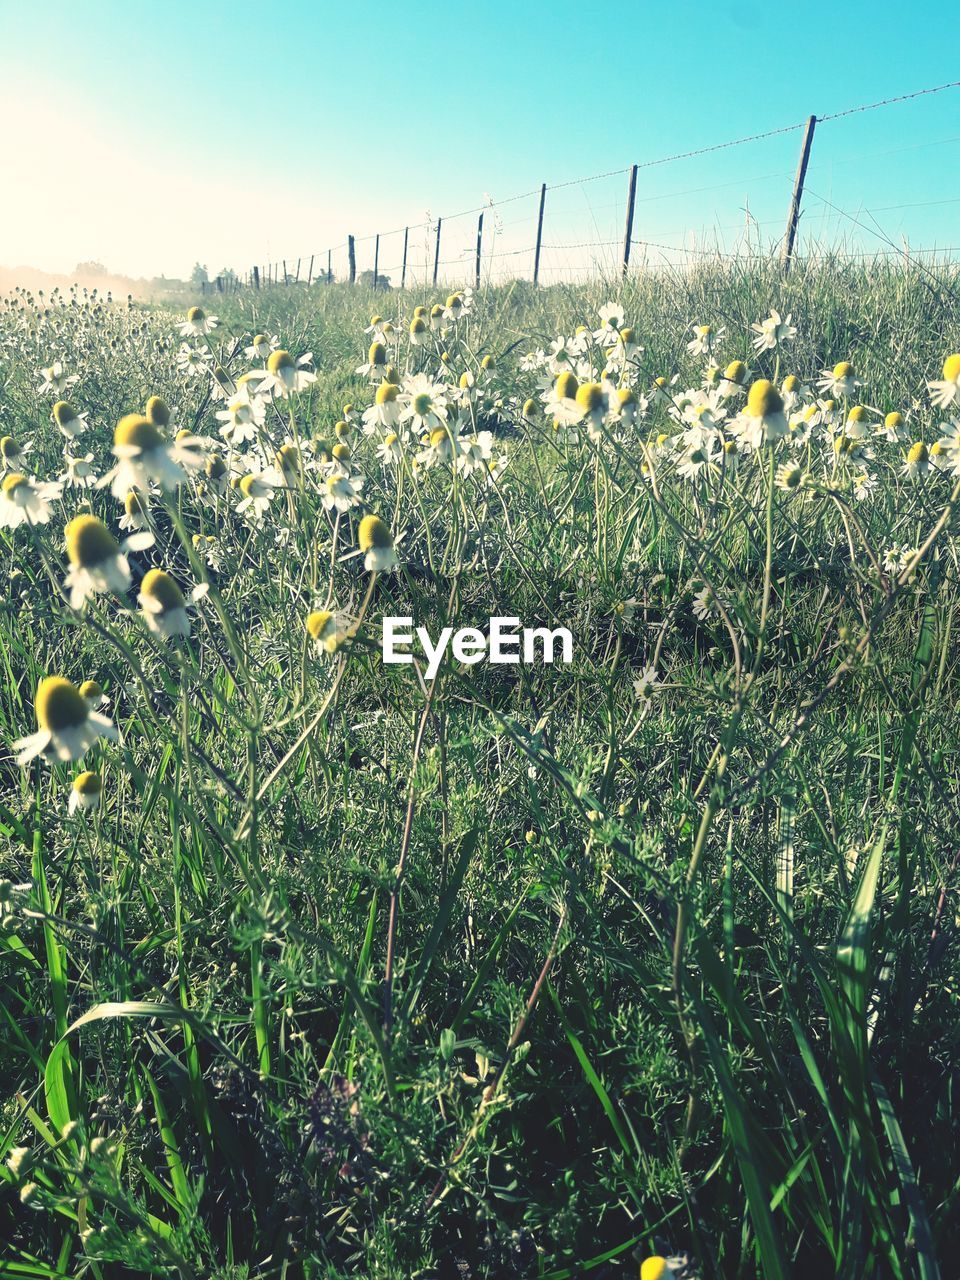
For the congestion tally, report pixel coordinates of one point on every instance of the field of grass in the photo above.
(316, 967)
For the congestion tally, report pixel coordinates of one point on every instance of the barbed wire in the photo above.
(431, 224)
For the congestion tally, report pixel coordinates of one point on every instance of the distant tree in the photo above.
(382, 282)
(199, 275)
(227, 275)
(89, 269)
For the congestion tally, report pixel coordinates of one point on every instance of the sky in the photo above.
(150, 136)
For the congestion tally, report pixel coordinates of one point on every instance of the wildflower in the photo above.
(419, 332)
(341, 492)
(917, 461)
(864, 485)
(79, 471)
(55, 380)
(93, 694)
(773, 331)
(704, 605)
(390, 449)
(67, 725)
(144, 454)
(69, 422)
(198, 322)
(260, 347)
(216, 473)
(857, 423)
(97, 563)
(612, 321)
(326, 629)
(12, 455)
(436, 316)
(385, 410)
(705, 340)
(376, 361)
(85, 792)
(762, 420)
(560, 402)
(135, 508)
(256, 494)
(839, 381)
(376, 541)
(734, 380)
(475, 453)
(789, 477)
(163, 604)
(285, 376)
(425, 403)
(946, 392)
(646, 686)
(440, 447)
(893, 428)
(24, 501)
(242, 420)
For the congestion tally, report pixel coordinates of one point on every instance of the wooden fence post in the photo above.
(256, 277)
(403, 269)
(628, 229)
(536, 252)
(376, 261)
(479, 244)
(793, 217)
(284, 271)
(352, 255)
(329, 266)
(296, 278)
(310, 275)
(436, 254)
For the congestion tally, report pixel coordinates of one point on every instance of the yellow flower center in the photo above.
(89, 542)
(858, 414)
(159, 586)
(133, 504)
(91, 690)
(422, 403)
(87, 784)
(288, 458)
(566, 386)
(12, 483)
(157, 412)
(418, 325)
(842, 370)
(735, 371)
(9, 449)
(439, 437)
(791, 383)
(893, 421)
(58, 705)
(377, 354)
(387, 392)
(373, 533)
(341, 451)
(590, 396)
(951, 368)
(278, 361)
(764, 399)
(215, 468)
(918, 452)
(63, 413)
(195, 315)
(320, 623)
(139, 432)
(488, 363)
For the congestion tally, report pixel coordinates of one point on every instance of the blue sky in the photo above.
(149, 135)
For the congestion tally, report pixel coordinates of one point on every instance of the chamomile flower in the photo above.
(419, 332)
(560, 402)
(66, 725)
(135, 508)
(612, 320)
(660, 1268)
(734, 380)
(163, 604)
(97, 564)
(326, 629)
(285, 376)
(839, 381)
(216, 473)
(56, 380)
(425, 403)
(93, 694)
(376, 364)
(893, 428)
(705, 605)
(70, 424)
(79, 472)
(864, 486)
(917, 460)
(12, 454)
(26, 501)
(385, 410)
(441, 446)
(593, 403)
(762, 420)
(947, 391)
(475, 452)
(390, 449)
(198, 322)
(646, 686)
(705, 339)
(261, 347)
(242, 420)
(144, 455)
(789, 477)
(86, 791)
(773, 331)
(341, 492)
(256, 494)
(376, 542)
(793, 391)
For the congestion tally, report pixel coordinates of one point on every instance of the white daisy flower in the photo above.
(198, 322)
(705, 339)
(67, 726)
(947, 391)
(341, 492)
(612, 320)
(86, 791)
(646, 686)
(79, 471)
(69, 422)
(144, 455)
(97, 564)
(839, 381)
(773, 331)
(26, 501)
(286, 376)
(424, 403)
(376, 542)
(56, 380)
(163, 605)
(762, 420)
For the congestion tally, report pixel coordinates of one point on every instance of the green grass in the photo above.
(508, 974)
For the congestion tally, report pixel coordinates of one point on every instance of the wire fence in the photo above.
(723, 201)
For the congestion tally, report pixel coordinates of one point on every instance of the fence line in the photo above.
(475, 253)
